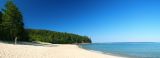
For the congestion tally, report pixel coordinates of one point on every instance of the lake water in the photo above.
(127, 49)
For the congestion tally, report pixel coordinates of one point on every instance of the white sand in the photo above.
(55, 51)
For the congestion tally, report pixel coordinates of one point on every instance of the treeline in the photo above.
(56, 37)
(12, 28)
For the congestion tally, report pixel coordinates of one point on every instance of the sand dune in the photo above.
(54, 51)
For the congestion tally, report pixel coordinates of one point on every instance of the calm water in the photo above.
(131, 50)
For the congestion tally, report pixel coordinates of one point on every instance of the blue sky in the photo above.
(102, 20)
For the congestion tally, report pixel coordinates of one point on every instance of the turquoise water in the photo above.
(127, 49)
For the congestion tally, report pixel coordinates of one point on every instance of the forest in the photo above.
(12, 28)
(56, 37)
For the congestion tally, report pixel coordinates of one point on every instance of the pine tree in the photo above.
(0, 17)
(1, 25)
(13, 20)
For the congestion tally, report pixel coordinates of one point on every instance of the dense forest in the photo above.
(56, 37)
(12, 28)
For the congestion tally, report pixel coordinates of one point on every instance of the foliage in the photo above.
(12, 22)
(56, 37)
(0, 17)
(1, 24)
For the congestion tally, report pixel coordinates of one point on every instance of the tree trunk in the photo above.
(15, 41)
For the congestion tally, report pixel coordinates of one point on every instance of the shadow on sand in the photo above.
(32, 43)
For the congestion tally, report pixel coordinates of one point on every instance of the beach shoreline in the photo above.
(100, 52)
(48, 51)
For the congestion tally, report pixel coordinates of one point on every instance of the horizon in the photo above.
(102, 20)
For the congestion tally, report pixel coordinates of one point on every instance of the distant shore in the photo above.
(48, 51)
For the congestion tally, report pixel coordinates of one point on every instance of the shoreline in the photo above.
(103, 52)
(49, 51)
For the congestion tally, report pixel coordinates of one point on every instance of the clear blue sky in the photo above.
(102, 20)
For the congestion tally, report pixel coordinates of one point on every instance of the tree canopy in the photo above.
(0, 17)
(12, 21)
(1, 24)
(56, 37)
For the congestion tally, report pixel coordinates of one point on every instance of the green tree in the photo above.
(0, 17)
(13, 20)
(1, 25)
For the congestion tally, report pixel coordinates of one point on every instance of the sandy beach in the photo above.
(48, 51)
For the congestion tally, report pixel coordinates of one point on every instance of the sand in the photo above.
(48, 51)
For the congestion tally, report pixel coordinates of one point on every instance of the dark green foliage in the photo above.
(56, 37)
(12, 22)
(1, 34)
(0, 17)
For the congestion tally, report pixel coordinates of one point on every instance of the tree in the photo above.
(0, 17)
(1, 24)
(13, 20)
